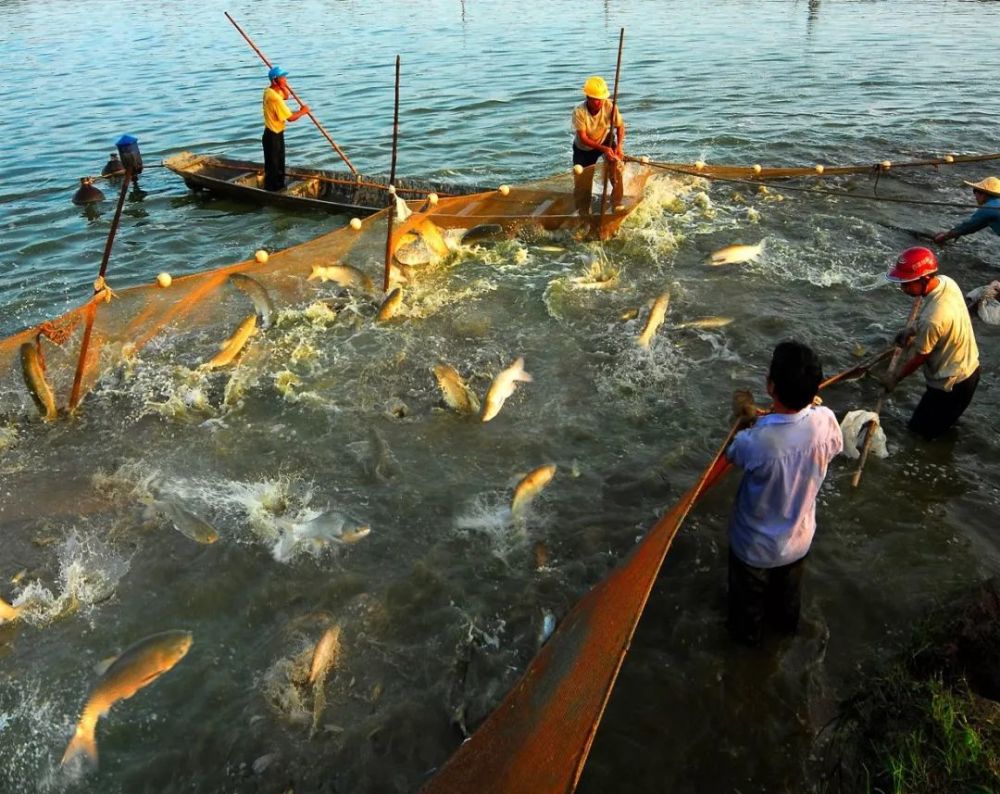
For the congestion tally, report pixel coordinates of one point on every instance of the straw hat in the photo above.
(989, 185)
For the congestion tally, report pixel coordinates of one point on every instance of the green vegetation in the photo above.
(928, 722)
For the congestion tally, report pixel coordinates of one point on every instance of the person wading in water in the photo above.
(943, 343)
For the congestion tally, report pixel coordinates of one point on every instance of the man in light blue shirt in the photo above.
(987, 195)
(784, 457)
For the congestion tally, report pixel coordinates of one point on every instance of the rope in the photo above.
(813, 190)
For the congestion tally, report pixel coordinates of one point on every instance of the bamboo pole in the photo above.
(392, 177)
(74, 396)
(873, 424)
(315, 121)
(608, 164)
(859, 369)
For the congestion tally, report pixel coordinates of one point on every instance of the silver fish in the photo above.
(736, 254)
(256, 292)
(654, 320)
(187, 523)
(503, 387)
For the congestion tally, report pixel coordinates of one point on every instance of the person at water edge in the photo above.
(600, 132)
(784, 455)
(276, 115)
(943, 343)
(987, 195)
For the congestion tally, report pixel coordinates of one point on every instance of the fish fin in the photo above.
(102, 666)
(83, 743)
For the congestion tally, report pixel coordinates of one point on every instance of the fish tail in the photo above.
(83, 743)
(314, 275)
(643, 342)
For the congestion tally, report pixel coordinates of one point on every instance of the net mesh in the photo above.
(206, 300)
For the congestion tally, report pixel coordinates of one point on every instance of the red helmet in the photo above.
(913, 264)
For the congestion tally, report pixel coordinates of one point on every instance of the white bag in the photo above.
(852, 428)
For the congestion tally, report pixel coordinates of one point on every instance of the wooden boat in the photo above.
(306, 188)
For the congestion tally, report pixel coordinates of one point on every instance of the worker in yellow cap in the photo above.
(987, 195)
(276, 115)
(600, 131)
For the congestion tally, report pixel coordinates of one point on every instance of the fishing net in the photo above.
(123, 324)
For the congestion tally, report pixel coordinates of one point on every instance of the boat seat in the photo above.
(307, 188)
(250, 179)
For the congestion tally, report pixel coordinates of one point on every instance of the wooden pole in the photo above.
(74, 396)
(315, 121)
(870, 427)
(392, 178)
(859, 369)
(608, 164)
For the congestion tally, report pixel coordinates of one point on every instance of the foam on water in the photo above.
(89, 571)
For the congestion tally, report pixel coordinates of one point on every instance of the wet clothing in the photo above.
(276, 113)
(759, 594)
(784, 459)
(944, 333)
(987, 216)
(598, 127)
(938, 410)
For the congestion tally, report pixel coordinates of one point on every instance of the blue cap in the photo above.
(275, 72)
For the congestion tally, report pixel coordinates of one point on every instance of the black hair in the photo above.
(796, 373)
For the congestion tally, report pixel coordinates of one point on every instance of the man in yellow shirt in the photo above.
(276, 115)
(597, 134)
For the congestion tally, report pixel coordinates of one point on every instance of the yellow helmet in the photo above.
(596, 87)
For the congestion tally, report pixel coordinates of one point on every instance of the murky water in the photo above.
(441, 606)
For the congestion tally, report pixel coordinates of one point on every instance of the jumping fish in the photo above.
(503, 387)
(529, 486)
(707, 322)
(233, 346)
(390, 305)
(187, 523)
(138, 666)
(354, 535)
(736, 254)
(256, 292)
(34, 378)
(344, 275)
(654, 320)
(325, 655)
(604, 280)
(457, 395)
(8, 612)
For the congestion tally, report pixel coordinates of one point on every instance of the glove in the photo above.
(904, 338)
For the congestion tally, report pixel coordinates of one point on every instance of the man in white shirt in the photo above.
(944, 343)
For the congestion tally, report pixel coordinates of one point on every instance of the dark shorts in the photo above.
(587, 158)
(938, 410)
(759, 594)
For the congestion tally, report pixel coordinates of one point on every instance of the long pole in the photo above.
(859, 369)
(392, 179)
(870, 426)
(608, 165)
(315, 121)
(74, 396)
